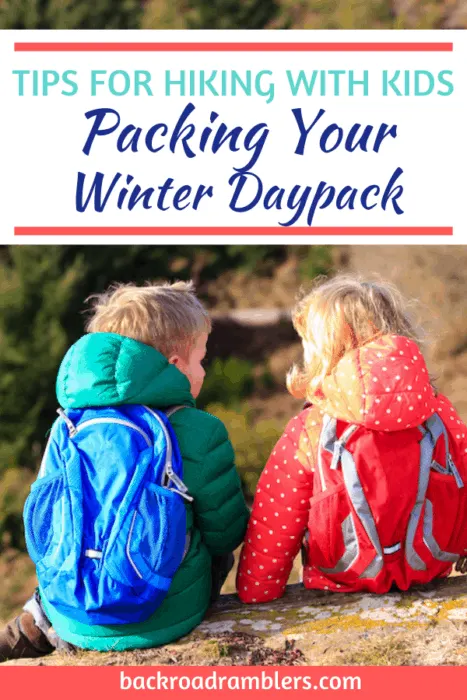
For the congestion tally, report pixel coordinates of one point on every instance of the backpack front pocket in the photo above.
(156, 535)
(329, 513)
(344, 540)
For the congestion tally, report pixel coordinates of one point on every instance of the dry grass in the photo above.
(17, 576)
(225, 649)
(390, 650)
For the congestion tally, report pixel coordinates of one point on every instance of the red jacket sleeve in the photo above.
(278, 520)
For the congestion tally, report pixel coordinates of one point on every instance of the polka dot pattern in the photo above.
(278, 524)
(383, 385)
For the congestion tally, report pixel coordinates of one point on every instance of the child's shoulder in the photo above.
(307, 420)
(198, 426)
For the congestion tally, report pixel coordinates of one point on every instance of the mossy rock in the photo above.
(425, 626)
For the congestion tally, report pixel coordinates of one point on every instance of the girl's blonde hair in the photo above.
(167, 316)
(339, 315)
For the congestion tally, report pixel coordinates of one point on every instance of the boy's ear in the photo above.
(174, 360)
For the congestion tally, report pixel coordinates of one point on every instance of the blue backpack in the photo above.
(105, 520)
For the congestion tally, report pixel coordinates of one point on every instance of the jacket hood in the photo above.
(106, 369)
(383, 385)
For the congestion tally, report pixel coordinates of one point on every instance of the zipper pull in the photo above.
(183, 495)
(178, 483)
(171, 476)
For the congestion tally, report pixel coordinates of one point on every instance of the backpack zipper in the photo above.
(130, 535)
(118, 421)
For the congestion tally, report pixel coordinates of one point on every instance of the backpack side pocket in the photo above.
(441, 517)
(44, 516)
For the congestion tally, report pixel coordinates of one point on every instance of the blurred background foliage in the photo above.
(233, 14)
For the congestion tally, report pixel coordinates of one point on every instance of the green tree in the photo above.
(231, 14)
(70, 14)
(372, 14)
(211, 14)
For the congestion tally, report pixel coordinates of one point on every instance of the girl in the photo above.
(368, 478)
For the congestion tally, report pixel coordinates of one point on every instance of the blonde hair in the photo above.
(340, 315)
(166, 316)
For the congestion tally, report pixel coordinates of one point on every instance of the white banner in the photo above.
(296, 136)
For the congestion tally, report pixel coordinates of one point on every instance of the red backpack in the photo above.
(388, 507)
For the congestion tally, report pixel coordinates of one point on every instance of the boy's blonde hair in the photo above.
(167, 316)
(339, 315)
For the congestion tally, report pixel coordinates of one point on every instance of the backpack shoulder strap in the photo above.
(170, 412)
(69, 424)
(173, 409)
(169, 475)
(436, 428)
(331, 443)
(432, 430)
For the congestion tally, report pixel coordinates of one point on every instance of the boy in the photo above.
(145, 345)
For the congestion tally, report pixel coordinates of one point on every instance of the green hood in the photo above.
(106, 369)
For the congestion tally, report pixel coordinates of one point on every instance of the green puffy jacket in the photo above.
(105, 369)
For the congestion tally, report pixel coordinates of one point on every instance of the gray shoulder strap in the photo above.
(173, 409)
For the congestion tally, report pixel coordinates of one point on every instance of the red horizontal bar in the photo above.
(233, 46)
(359, 682)
(233, 231)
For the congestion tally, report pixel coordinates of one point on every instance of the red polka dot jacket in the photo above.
(383, 386)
